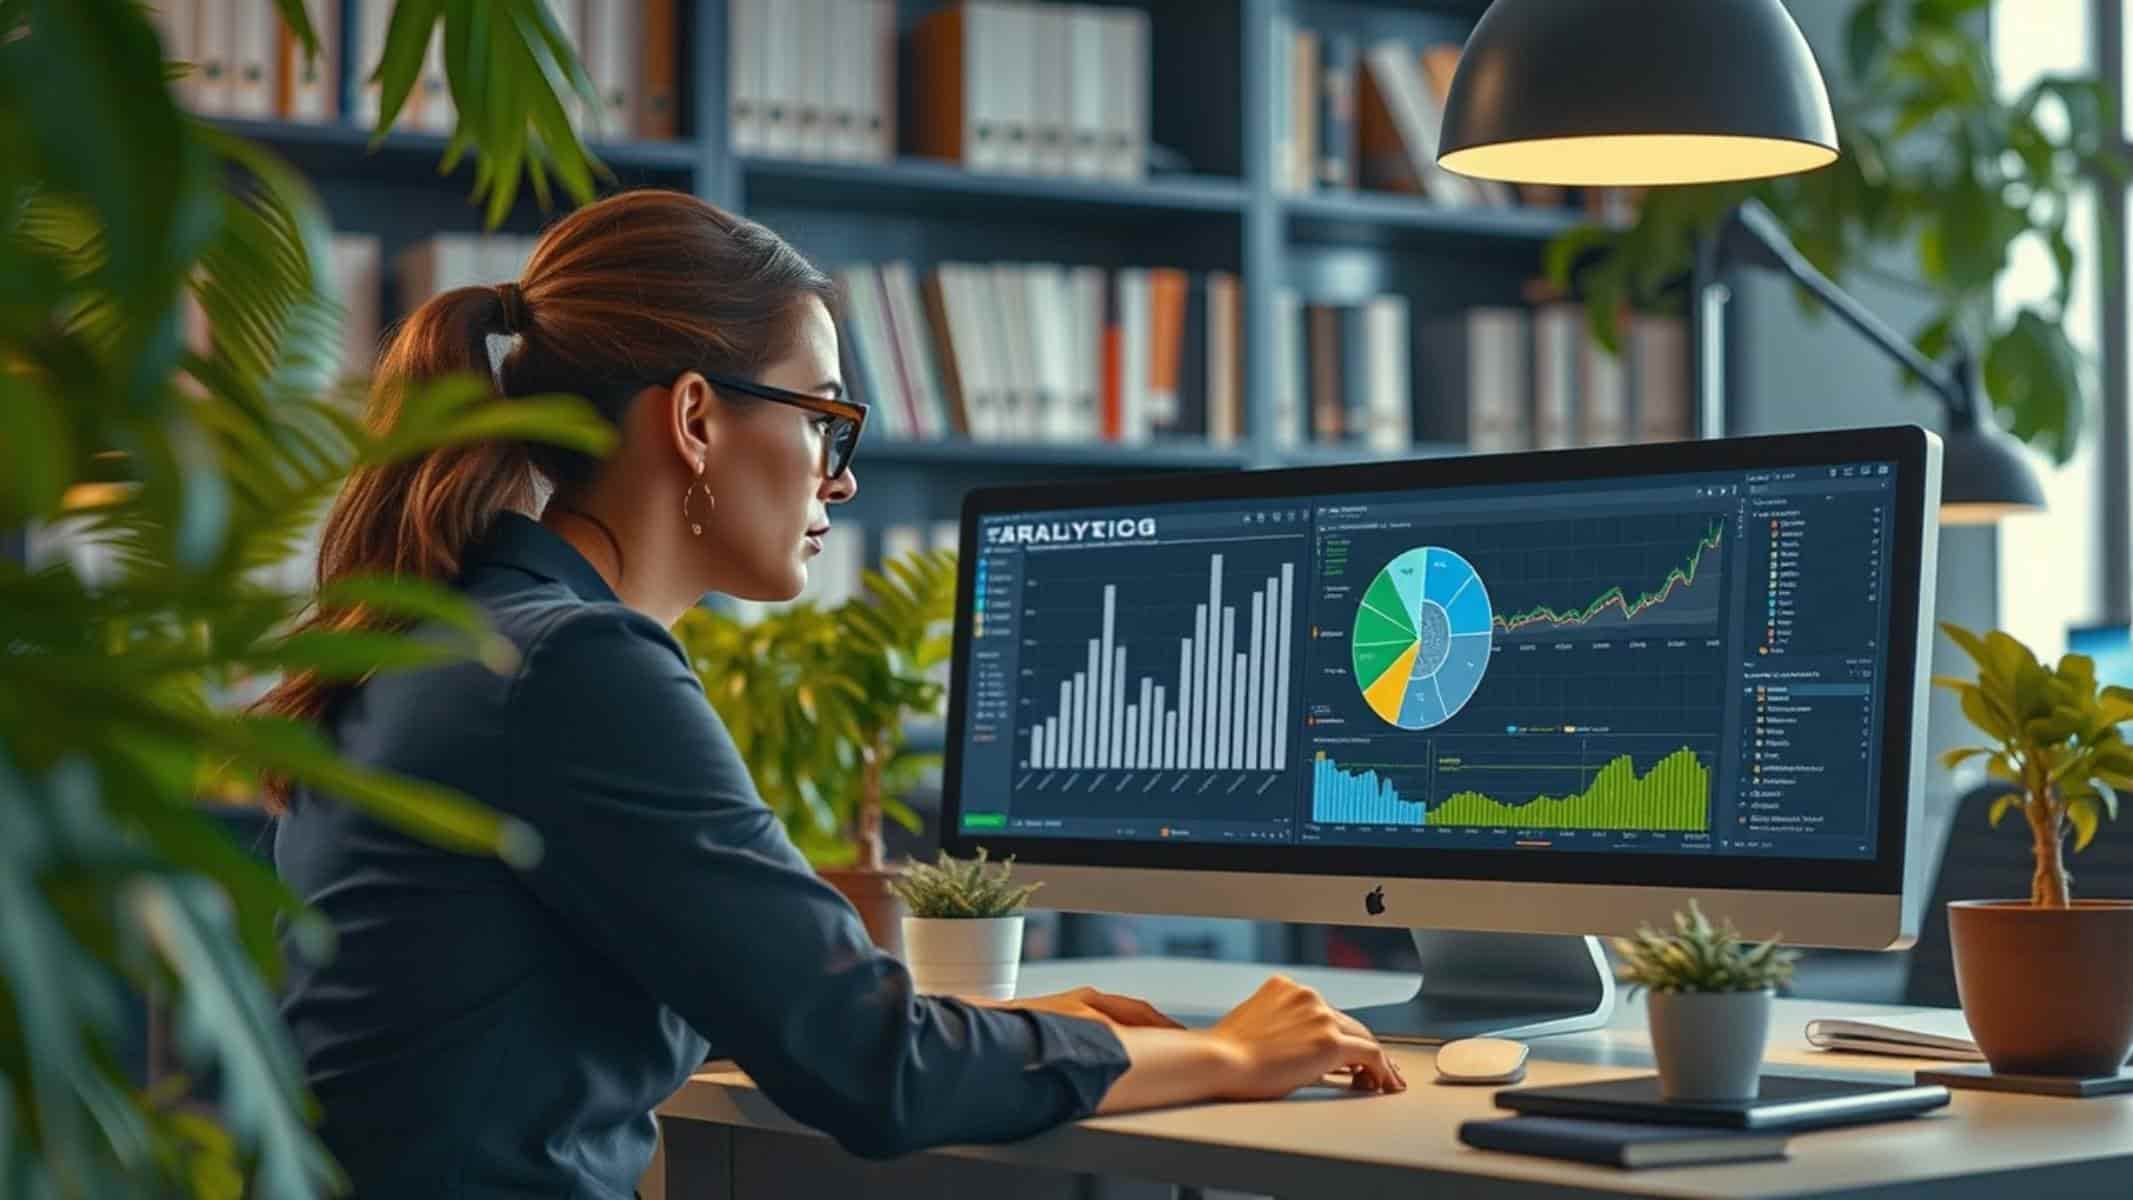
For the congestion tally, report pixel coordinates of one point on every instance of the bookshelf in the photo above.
(1214, 72)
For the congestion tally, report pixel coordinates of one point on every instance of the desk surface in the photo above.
(1325, 1141)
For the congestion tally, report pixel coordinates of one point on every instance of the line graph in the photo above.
(1686, 594)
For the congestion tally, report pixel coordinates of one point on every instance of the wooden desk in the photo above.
(724, 1139)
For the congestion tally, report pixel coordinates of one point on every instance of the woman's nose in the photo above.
(842, 488)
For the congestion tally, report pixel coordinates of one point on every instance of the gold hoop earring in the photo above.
(696, 527)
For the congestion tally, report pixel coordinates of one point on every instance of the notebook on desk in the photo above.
(1935, 1034)
(1619, 1143)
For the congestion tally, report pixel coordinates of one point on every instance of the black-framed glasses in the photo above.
(847, 417)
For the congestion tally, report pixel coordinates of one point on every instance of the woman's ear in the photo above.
(692, 412)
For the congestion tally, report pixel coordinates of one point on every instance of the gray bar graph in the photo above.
(1281, 683)
(1106, 687)
(1266, 669)
(1252, 705)
(1229, 709)
(1226, 687)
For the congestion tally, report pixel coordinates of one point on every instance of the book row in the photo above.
(247, 62)
(1354, 114)
(1045, 352)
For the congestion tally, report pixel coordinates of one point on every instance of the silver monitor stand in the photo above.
(1516, 985)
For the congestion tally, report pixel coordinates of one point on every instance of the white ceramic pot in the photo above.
(952, 956)
(1709, 1045)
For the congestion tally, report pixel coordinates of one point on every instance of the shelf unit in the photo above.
(1212, 102)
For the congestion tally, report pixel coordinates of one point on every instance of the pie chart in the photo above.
(1420, 643)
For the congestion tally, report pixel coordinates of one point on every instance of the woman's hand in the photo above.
(1089, 1003)
(1286, 1036)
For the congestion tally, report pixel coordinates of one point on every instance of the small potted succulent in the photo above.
(2046, 983)
(1711, 994)
(963, 936)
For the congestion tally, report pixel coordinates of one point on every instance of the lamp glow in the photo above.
(1597, 93)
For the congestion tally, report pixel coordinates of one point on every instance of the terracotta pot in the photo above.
(2046, 991)
(880, 908)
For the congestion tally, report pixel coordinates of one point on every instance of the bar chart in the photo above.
(1214, 699)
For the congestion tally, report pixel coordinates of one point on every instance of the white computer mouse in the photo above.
(1481, 1060)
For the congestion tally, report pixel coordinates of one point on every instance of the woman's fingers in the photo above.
(1356, 1028)
(1374, 1071)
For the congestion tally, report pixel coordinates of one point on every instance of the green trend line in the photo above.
(1675, 795)
(1683, 575)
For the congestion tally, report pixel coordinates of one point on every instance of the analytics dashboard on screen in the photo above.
(1687, 664)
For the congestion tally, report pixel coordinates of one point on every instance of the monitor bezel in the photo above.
(1884, 873)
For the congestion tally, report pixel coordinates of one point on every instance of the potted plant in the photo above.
(1710, 1003)
(2047, 982)
(819, 701)
(963, 936)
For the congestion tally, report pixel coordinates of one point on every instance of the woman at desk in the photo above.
(485, 1031)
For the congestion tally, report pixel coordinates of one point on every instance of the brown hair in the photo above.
(621, 295)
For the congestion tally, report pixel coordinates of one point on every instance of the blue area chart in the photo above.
(1421, 638)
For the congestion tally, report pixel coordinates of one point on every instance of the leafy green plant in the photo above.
(195, 462)
(818, 701)
(1700, 957)
(1932, 160)
(962, 888)
(2056, 736)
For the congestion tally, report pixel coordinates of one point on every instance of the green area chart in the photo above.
(1674, 796)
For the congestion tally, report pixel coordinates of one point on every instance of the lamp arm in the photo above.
(1751, 233)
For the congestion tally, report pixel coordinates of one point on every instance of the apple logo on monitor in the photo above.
(1374, 901)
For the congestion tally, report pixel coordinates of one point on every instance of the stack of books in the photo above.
(1353, 114)
(1350, 115)
(1501, 379)
(247, 63)
(1041, 89)
(1341, 372)
(1045, 352)
(1491, 379)
(812, 79)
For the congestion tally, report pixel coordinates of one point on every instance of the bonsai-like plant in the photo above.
(1932, 159)
(962, 889)
(1698, 957)
(818, 701)
(195, 462)
(2057, 739)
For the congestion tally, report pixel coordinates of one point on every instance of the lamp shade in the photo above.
(1985, 475)
(1600, 93)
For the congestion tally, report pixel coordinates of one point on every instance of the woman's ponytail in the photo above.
(414, 518)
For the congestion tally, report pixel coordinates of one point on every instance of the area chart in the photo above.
(1674, 796)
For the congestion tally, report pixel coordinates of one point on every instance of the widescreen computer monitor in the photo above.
(1544, 693)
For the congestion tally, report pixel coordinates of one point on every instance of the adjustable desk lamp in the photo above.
(1599, 93)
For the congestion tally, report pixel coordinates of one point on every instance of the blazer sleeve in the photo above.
(657, 849)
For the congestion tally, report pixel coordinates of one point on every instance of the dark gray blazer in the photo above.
(484, 1031)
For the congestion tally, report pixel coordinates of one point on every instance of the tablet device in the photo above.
(1784, 1102)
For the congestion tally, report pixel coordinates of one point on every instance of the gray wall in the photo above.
(1789, 369)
